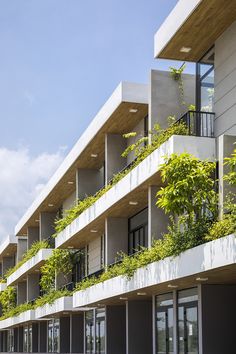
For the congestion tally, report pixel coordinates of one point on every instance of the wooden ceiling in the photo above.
(120, 122)
(9, 251)
(200, 31)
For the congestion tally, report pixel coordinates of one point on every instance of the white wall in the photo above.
(225, 82)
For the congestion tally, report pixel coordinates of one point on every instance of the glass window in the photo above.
(164, 324)
(89, 331)
(100, 331)
(53, 335)
(138, 231)
(188, 321)
(25, 339)
(10, 340)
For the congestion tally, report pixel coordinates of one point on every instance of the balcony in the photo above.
(199, 123)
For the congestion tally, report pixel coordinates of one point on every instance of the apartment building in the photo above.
(183, 304)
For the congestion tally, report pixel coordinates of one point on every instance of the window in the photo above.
(138, 231)
(89, 331)
(164, 324)
(205, 83)
(10, 340)
(27, 339)
(53, 335)
(188, 321)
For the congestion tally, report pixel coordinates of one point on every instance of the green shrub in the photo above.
(34, 249)
(51, 297)
(8, 299)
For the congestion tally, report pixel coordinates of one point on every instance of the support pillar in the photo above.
(88, 182)
(115, 145)
(42, 335)
(65, 334)
(116, 238)
(21, 248)
(46, 228)
(32, 236)
(157, 219)
(77, 333)
(7, 262)
(33, 287)
(21, 292)
(115, 329)
(139, 327)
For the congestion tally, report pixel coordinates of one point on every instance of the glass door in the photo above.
(188, 322)
(100, 331)
(164, 324)
(89, 332)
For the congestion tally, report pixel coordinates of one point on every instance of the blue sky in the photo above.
(61, 59)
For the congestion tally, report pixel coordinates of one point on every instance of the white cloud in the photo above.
(22, 177)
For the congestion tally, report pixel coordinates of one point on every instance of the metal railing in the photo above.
(199, 123)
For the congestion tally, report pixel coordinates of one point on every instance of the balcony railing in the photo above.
(199, 123)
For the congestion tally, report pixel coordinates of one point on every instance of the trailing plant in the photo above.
(8, 299)
(177, 76)
(159, 136)
(15, 311)
(34, 249)
(50, 297)
(60, 262)
(231, 163)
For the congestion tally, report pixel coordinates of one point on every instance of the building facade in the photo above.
(182, 304)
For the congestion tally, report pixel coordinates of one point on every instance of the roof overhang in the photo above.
(113, 117)
(194, 24)
(8, 247)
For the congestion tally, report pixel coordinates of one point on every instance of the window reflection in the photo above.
(164, 324)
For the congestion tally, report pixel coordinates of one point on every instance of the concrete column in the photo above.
(35, 337)
(157, 219)
(20, 339)
(225, 148)
(42, 344)
(115, 329)
(21, 248)
(116, 238)
(88, 182)
(77, 333)
(167, 101)
(115, 144)
(218, 318)
(32, 236)
(139, 327)
(46, 228)
(33, 287)
(7, 262)
(21, 292)
(65, 334)
(15, 339)
(4, 341)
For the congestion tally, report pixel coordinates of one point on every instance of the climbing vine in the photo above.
(176, 74)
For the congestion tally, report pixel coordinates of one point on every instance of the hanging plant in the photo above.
(176, 74)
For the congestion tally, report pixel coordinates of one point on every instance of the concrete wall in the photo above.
(88, 182)
(21, 248)
(32, 236)
(15, 331)
(115, 329)
(65, 334)
(35, 337)
(116, 238)
(139, 327)
(225, 82)
(115, 145)
(218, 319)
(32, 286)
(164, 97)
(7, 262)
(69, 202)
(21, 292)
(94, 251)
(77, 333)
(46, 228)
(157, 219)
(20, 339)
(225, 149)
(139, 129)
(42, 344)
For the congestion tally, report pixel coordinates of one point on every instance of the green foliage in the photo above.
(8, 299)
(34, 249)
(50, 297)
(159, 136)
(17, 310)
(59, 262)
(189, 186)
(177, 76)
(231, 163)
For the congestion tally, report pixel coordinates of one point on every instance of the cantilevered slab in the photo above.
(131, 187)
(114, 117)
(24, 317)
(214, 261)
(8, 247)
(194, 24)
(31, 266)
